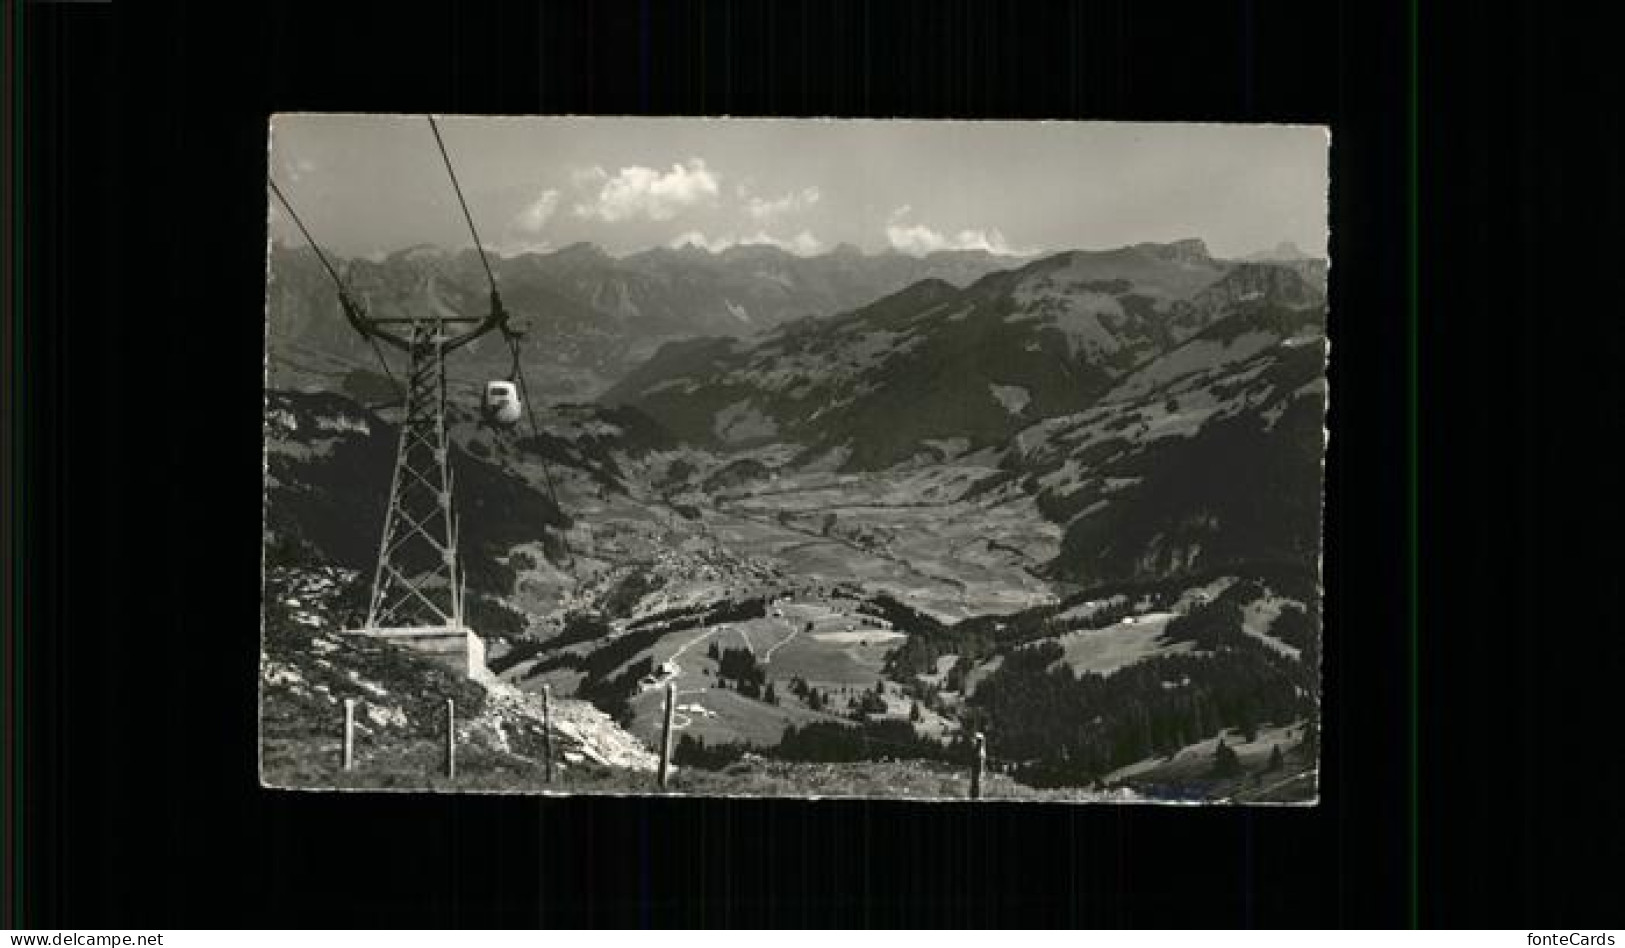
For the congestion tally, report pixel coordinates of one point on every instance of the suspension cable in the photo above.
(517, 373)
(343, 290)
(489, 276)
(400, 389)
(536, 435)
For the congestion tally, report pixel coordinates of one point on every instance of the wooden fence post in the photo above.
(349, 733)
(978, 764)
(547, 730)
(451, 739)
(665, 734)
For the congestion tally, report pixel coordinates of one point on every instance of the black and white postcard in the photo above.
(795, 458)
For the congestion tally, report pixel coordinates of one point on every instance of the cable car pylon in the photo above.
(418, 583)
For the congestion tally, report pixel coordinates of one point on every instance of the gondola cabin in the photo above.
(501, 404)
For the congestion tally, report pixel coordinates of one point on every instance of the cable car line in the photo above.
(308, 239)
(516, 373)
(498, 410)
(508, 332)
(344, 291)
(377, 350)
(464, 204)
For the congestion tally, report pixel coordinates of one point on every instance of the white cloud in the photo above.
(794, 202)
(515, 248)
(637, 191)
(698, 239)
(535, 216)
(803, 244)
(919, 239)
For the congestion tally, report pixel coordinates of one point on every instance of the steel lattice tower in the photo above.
(417, 588)
(418, 583)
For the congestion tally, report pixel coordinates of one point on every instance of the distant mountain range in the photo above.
(591, 316)
(934, 364)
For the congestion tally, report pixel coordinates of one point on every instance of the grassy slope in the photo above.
(959, 345)
(329, 487)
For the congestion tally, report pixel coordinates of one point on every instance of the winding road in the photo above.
(795, 630)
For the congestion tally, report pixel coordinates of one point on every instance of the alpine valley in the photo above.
(855, 508)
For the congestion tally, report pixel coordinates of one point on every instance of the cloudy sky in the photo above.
(367, 185)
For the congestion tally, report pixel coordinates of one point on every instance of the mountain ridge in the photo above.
(590, 316)
(935, 361)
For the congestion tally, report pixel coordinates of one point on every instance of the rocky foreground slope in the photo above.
(309, 667)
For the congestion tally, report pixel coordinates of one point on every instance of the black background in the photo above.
(146, 150)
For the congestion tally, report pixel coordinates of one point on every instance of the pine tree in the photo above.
(914, 712)
(1276, 763)
(1225, 761)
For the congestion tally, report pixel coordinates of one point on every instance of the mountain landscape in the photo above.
(589, 317)
(854, 509)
